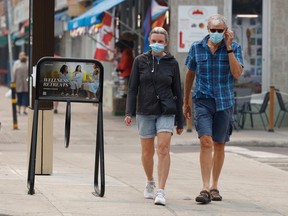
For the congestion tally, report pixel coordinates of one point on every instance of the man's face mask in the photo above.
(216, 35)
(157, 47)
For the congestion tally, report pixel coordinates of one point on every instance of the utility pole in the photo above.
(8, 26)
(42, 44)
(12, 83)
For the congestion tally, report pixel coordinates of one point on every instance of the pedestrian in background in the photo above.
(155, 73)
(215, 61)
(126, 60)
(20, 75)
(93, 86)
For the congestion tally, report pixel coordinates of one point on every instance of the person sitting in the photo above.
(93, 86)
(64, 75)
(77, 81)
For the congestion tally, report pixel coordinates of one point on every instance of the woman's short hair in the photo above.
(219, 18)
(159, 30)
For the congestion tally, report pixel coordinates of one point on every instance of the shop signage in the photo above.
(21, 12)
(192, 24)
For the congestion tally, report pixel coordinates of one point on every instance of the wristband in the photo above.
(229, 51)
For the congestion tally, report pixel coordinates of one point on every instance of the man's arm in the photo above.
(235, 67)
(188, 82)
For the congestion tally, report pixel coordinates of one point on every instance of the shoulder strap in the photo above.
(153, 81)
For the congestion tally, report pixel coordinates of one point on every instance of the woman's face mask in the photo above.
(157, 47)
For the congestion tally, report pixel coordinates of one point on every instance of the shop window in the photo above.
(247, 26)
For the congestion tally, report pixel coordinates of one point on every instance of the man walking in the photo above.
(215, 61)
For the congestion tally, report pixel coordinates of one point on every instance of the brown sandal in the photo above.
(215, 195)
(204, 197)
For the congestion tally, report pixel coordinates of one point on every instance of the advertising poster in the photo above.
(64, 80)
(192, 24)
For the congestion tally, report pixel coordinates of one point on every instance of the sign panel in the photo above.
(65, 79)
(192, 24)
(21, 12)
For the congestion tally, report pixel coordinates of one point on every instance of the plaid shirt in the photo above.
(213, 76)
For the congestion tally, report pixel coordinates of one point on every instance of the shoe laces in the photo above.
(150, 186)
(160, 193)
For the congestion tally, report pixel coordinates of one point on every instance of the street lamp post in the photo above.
(12, 83)
(8, 26)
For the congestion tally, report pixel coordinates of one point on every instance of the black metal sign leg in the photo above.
(99, 155)
(67, 124)
(32, 157)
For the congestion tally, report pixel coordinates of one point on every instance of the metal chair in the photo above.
(242, 98)
(248, 109)
(283, 107)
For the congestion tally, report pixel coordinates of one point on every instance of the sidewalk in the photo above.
(248, 187)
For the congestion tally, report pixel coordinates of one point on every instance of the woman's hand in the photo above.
(179, 131)
(128, 120)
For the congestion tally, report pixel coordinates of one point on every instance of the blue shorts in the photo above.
(208, 121)
(150, 125)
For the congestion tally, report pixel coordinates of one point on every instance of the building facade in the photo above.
(266, 46)
(262, 33)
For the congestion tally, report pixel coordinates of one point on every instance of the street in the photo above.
(246, 182)
(274, 156)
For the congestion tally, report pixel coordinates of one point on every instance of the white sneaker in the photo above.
(149, 190)
(160, 197)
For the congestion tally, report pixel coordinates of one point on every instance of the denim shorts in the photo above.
(150, 125)
(208, 121)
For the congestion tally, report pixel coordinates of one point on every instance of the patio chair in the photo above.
(255, 110)
(242, 98)
(283, 107)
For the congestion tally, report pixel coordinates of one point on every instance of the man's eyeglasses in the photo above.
(218, 30)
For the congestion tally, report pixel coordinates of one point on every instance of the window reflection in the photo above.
(247, 26)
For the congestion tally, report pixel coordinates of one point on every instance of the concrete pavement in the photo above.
(247, 186)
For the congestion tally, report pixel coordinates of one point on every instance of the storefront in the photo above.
(260, 28)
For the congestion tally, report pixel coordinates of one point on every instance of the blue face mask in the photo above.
(157, 47)
(216, 37)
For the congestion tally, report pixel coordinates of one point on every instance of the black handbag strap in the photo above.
(153, 81)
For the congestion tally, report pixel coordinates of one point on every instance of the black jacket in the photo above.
(141, 90)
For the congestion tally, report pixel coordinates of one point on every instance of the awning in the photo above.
(60, 22)
(93, 15)
(62, 16)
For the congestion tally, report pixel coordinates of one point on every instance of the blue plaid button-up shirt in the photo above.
(213, 76)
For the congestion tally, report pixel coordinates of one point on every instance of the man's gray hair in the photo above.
(159, 30)
(217, 18)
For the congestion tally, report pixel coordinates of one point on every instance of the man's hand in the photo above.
(229, 36)
(128, 120)
(187, 111)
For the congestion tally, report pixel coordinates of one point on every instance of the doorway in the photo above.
(247, 24)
